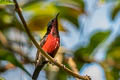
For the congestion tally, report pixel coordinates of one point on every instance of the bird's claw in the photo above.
(53, 63)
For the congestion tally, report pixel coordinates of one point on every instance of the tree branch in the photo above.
(41, 50)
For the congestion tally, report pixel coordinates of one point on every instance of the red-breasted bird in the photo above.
(50, 44)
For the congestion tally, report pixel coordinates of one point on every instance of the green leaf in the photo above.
(84, 52)
(114, 50)
(112, 73)
(45, 10)
(81, 3)
(61, 75)
(95, 40)
(115, 73)
(7, 20)
(6, 55)
(42, 13)
(6, 2)
(113, 56)
(1, 78)
(69, 14)
(70, 10)
(41, 8)
(39, 23)
(115, 10)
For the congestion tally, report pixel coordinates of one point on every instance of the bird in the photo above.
(50, 43)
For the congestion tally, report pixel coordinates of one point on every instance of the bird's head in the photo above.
(53, 27)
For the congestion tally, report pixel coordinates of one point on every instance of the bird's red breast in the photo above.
(51, 45)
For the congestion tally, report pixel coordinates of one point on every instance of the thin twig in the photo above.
(28, 44)
(5, 44)
(41, 50)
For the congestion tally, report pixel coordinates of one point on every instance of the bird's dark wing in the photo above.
(40, 60)
(43, 40)
(39, 56)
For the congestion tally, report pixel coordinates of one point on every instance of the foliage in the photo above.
(2, 78)
(37, 14)
(7, 55)
(82, 52)
(114, 57)
(6, 2)
(43, 11)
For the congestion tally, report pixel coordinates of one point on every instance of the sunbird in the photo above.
(49, 43)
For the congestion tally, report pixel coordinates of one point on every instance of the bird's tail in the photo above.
(37, 70)
(39, 65)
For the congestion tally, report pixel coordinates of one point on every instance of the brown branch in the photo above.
(41, 50)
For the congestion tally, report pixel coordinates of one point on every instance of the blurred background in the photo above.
(89, 32)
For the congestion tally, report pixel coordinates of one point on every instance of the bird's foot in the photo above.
(52, 62)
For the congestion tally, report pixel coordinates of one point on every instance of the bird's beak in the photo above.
(55, 22)
(57, 15)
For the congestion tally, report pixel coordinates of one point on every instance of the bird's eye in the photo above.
(52, 20)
